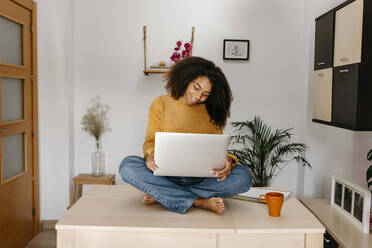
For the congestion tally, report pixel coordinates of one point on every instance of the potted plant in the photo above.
(265, 151)
(95, 122)
(369, 171)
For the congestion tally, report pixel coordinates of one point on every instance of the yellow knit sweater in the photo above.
(169, 115)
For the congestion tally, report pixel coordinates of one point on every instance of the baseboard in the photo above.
(48, 224)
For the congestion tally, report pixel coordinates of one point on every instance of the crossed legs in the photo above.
(176, 197)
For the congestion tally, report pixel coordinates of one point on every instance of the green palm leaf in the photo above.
(369, 155)
(369, 170)
(369, 176)
(265, 151)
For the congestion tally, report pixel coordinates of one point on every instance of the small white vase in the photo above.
(98, 161)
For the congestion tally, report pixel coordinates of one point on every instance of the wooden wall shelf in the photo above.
(147, 71)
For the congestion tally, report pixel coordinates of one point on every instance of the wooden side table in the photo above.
(89, 179)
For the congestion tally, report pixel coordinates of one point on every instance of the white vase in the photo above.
(98, 161)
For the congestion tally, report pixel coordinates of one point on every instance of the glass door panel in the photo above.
(11, 99)
(13, 155)
(11, 51)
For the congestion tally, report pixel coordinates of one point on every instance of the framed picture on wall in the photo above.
(353, 201)
(235, 49)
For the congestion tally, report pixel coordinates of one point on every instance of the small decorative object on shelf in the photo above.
(162, 67)
(162, 63)
(95, 122)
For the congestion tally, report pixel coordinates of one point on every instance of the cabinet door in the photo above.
(348, 34)
(323, 95)
(324, 41)
(329, 241)
(345, 95)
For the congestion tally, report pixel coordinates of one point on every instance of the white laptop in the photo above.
(189, 154)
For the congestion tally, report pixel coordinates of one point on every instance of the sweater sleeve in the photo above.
(153, 126)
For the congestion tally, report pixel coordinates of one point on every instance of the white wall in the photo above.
(108, 60)
(333, 151)
(55, 105)
(89, 48)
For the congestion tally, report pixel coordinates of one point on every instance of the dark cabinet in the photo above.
(324, 29)
(345, 95)
(329, 241)
(343, 45)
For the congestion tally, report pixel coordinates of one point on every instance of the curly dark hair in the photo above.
(185, 71)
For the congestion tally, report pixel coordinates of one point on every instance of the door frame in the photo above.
(31, 6)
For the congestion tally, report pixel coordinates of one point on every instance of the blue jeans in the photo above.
(178, 194)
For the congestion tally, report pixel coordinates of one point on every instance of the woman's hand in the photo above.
(222, 174)
(150, 163)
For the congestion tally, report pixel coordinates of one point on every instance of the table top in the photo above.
(251, 217)
(341, 228)
(119, 207)
(86, 178)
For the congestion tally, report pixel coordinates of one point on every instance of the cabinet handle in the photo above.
(321, 63)
(344, 59)
(320, 74)
(4, 130)
(343, 71)
(327, 240)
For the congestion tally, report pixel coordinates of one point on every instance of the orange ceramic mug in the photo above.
(274, 201)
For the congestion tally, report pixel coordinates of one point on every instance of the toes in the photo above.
(219, 211)
(147, 199)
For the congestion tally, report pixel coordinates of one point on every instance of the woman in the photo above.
(199, 101)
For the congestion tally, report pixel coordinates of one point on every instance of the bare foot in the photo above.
(148, 200)
(214, 204)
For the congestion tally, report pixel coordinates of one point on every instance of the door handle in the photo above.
(343, 71)
(344, 59)
(321, 63)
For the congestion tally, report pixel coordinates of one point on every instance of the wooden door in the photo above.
(345, 95)
(348, 34)
(324, 29)
(17, 126)
(323, 95)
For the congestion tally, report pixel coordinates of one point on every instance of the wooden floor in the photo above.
(45, 239)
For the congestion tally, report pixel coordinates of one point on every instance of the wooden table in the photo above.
(341, 229)
(88, 179)
(114, 216)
